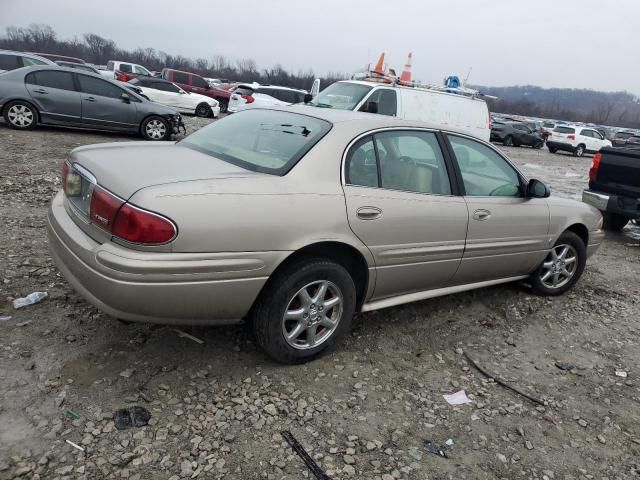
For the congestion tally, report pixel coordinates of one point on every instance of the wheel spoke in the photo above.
(311, 335)
(566, 273)
(554, 254)
(305, 298)
(320, 294)
(332, 302)
(295, 333)
(563, 253)
(556, 279)
(569, 260)
(547, 265)
(326, 322)
(546, 275)
(294, 314)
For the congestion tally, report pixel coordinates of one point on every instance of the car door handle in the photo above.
(368, 213)
(90, 99)
(40, 90)
(481, 214)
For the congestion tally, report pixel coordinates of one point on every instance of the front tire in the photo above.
(579, 151)
(508, 141)
(203, 110)
(21, 115)
(303, 309)
(538, 145)
(614, 222)
(552, 149)
(562, 267)
(155, 128)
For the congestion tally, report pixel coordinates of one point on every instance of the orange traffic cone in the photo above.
(379, 68)
(406, 73)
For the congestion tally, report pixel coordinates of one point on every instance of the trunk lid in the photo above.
(126, 167)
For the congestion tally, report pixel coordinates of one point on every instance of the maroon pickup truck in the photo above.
(196, 84)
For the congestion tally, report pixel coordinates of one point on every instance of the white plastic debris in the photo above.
(30, 299)
(75, 445)
(186, 335)
(621, 373)
(458, 398)
(5, 318)
(449, 442)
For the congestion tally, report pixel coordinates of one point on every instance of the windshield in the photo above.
(265, 141)
(341, 95)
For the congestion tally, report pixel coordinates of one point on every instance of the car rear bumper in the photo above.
(566, 147)
(157, 287)
(608, 202)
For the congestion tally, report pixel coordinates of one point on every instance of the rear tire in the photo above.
(284, 294)
(21, 115)
(538, 145)
(552, 149)
(579, 151)
(203, 110)
(155, 128)
(614, 222)
(508, 141)
(554, 266)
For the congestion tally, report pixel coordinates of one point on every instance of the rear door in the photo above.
(508, 233)
(103, 105)
(181, 78)
(401, 204)
(54, 94)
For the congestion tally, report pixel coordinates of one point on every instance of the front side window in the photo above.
(484, 172)
(386, 99)
(51, 79)
(97, 86)
(199, 82)
(141, 70)
(341, 95)
(125, 67)
(261, 140)
(180, 77)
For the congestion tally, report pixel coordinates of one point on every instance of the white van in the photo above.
(464, 112)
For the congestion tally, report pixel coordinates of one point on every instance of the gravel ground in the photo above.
(363, 410)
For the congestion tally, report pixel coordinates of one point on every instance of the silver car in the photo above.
(65, 97)
(295, 218)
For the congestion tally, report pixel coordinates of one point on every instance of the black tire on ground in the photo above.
(155, 128)
(538, 145)
(613, 221)
(268, 313)
(567, 238)
(224, 105)
(21, 115)
(552, 149)
(579, 151)
(203, 110)
(508, 141)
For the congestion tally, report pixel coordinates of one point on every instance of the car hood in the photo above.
(126, 167)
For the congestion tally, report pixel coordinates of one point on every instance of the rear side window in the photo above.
(51, 79)
(361, 164)
(180, 77)
(564, 130)
(8, 62)
(587, 133)
(165, 87)
(260, 140)
(199, 82)
(246, 91)
(97, 86)
(387, 102)
(125, 67)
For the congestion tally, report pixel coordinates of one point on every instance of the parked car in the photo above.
(614, 186)
(53, 95)
(297, 217)
(124, 71)
(62, 58)
(80, 66)
(620, 138)
(576, 139)
(417, 104)
(633, 142)
(10, 60)
(197, 84)
(167, 93)
(255, 95)
(515, 134)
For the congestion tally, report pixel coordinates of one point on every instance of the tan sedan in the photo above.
(296, 218)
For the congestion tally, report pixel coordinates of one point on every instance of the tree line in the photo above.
(99, 50)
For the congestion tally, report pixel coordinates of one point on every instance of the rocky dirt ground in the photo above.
(363, 410)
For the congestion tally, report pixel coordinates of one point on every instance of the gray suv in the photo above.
(52, 95)
(10, 60)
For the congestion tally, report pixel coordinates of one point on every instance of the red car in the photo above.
(197, 84)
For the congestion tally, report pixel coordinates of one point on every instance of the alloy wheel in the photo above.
(21, 115)
(155, 129)
(559, 267)
(312, 315)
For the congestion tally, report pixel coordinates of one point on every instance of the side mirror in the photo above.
(371, 107)
(125, 98)
(537, 189)
(308, 98)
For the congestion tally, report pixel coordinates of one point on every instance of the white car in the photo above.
(168, 93)
(123, 71)
(254, 95)
(576, 139)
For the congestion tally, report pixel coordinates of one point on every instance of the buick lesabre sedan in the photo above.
(295, 218)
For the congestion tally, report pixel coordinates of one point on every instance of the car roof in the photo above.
(25, 54)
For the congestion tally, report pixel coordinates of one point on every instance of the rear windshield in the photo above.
(265, 141)
(342, 95)
(623, 135)
(564, 130)
(548, 124)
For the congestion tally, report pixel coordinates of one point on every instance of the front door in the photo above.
(508, 233)
(103, 105)
(400, 204)
(55, 95)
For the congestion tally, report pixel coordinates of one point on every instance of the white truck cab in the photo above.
(464, 112)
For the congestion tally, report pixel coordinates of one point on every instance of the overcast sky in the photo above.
(551, 43)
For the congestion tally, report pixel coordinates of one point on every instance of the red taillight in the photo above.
(571, 137)
(139, 226)
(121, 77)
(593, 171)
(104, 208)
(248, 98)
